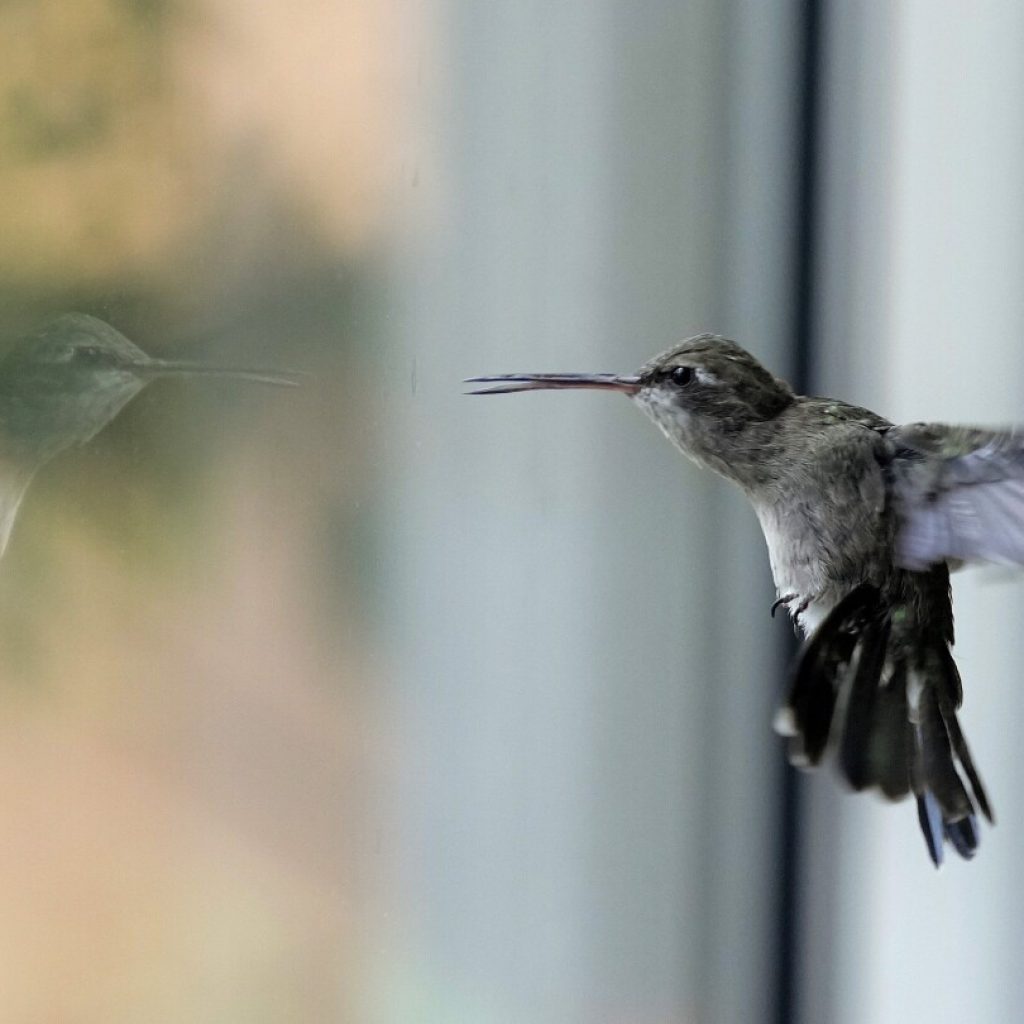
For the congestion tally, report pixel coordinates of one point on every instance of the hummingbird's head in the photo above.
(61, 384)
(704, 393)
(64, 383)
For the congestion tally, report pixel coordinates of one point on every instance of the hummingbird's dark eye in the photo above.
(89, 353)
(682, 375)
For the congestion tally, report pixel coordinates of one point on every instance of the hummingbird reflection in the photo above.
(864, 520)
(63, 384)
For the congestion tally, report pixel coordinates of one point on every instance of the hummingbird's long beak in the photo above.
(510, 382)
(153, 368)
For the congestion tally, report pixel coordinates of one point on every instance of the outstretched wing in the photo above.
(959, 494)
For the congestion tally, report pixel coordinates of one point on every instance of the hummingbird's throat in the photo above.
(675, 422)
(697, 436)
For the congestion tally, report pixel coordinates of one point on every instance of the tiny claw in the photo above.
(785, 599)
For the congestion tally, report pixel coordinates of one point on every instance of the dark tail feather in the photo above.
(858, 757)
(948, 708)
(942, 753)
(937, 780)
(964, 836)
(889, 710)
(892, 736)
(820, 673)
(930, 818)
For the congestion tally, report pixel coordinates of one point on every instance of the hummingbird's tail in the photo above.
(888, 709)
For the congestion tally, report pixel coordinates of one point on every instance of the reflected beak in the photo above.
(506, 383)
(154, 368)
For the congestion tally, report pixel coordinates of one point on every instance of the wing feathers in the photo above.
(959, 494)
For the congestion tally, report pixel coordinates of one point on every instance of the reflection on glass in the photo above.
(63, 384)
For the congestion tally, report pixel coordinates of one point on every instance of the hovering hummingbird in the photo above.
(63, 384)
(864, 521)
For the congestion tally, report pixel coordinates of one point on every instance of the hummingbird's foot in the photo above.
(794, 613)
(784, 600)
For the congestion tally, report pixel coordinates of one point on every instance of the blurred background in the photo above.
(371, 702)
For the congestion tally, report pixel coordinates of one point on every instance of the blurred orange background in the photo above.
(189, 740)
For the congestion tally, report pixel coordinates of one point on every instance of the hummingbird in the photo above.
(62, 384)
(864, 520)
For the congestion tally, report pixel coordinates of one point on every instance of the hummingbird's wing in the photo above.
(959, 494)
(14, 481)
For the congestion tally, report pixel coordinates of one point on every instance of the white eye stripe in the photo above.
(706, 376)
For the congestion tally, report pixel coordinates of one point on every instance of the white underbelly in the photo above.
(796, 563)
